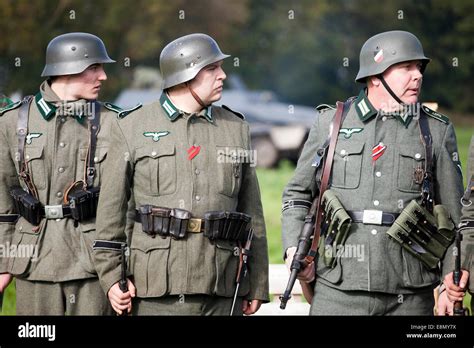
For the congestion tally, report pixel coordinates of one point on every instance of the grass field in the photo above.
(272, 183)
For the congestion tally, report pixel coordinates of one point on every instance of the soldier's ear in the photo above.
(373, 81)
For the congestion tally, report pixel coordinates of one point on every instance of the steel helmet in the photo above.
(73, 53)
(386, 49)
(182, 59)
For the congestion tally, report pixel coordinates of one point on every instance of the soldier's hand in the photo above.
(5, 279)
(119, 300)
(307, 274)
(445, 306)
(454, 292)
(250, 307)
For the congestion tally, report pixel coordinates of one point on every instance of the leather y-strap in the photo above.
(22, 132)
(427, 191)
(342, 109)
(94, 126)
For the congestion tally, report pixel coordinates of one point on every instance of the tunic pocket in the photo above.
(24, 247)
(34, 158)
(149, 263)
(156, 168)
(227, 265)
(347, 165)
(229, 169)
(411, 165)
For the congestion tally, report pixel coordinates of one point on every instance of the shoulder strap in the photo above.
(427, 191)
(94, 126)
(22, 131)
(341, 112)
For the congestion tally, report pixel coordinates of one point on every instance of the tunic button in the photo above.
(153, 153)
(27, 157)
(197, 171)
(62, 144)
(374, 232)
(63, 119)
(198, 198)
(417, 156)
(343, 152)
(96, 159)
(61, 169)
(193, 121)
(378, 174)
(376, 203)
(384, 118)
(59, 194)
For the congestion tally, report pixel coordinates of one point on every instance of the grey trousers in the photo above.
(75, 297)
(186, 305)
(332, 301)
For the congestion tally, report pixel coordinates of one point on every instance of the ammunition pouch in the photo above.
(163, 221)
(424, 235)
(335, 227)
(27, 206)
(177, 223)
(83, 203)
(226, 225)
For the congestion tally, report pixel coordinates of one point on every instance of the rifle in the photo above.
(458, 309)
(243, 269)
(1, 302)
(123, 279)
(309, 237)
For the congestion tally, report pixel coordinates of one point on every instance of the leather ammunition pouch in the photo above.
(335, 227)
(226, 225)
(424, 235)
(27, 206)
(177, 223)
(83, 203)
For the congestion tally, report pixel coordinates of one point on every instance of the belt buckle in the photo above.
(53, 211)
(194, 225)
(372, 217)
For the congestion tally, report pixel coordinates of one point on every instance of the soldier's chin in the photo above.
(216, 97)
(93, 96)
(410, 100)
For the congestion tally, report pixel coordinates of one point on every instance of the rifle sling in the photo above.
(22, 132)
(93, 131)
(427, 141)
(342, 109)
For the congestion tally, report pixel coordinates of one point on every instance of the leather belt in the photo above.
(373, 217)
(194, 225)
(56, 211)
(9, 218)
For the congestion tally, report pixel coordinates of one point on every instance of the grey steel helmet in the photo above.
(73, 53)
(386, 49)
(182, 59)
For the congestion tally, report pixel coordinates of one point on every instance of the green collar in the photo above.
(48, 109)
(173, 112)
(366, 111)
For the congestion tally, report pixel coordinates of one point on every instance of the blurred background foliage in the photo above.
(304, 50)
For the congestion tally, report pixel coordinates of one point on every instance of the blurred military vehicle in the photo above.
(278, 130)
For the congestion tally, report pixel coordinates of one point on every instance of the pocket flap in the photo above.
(155, 151)
(347, 149)
(32, 153)
(409, 151)
(146, 243)
(99, 155)
(231, 152)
